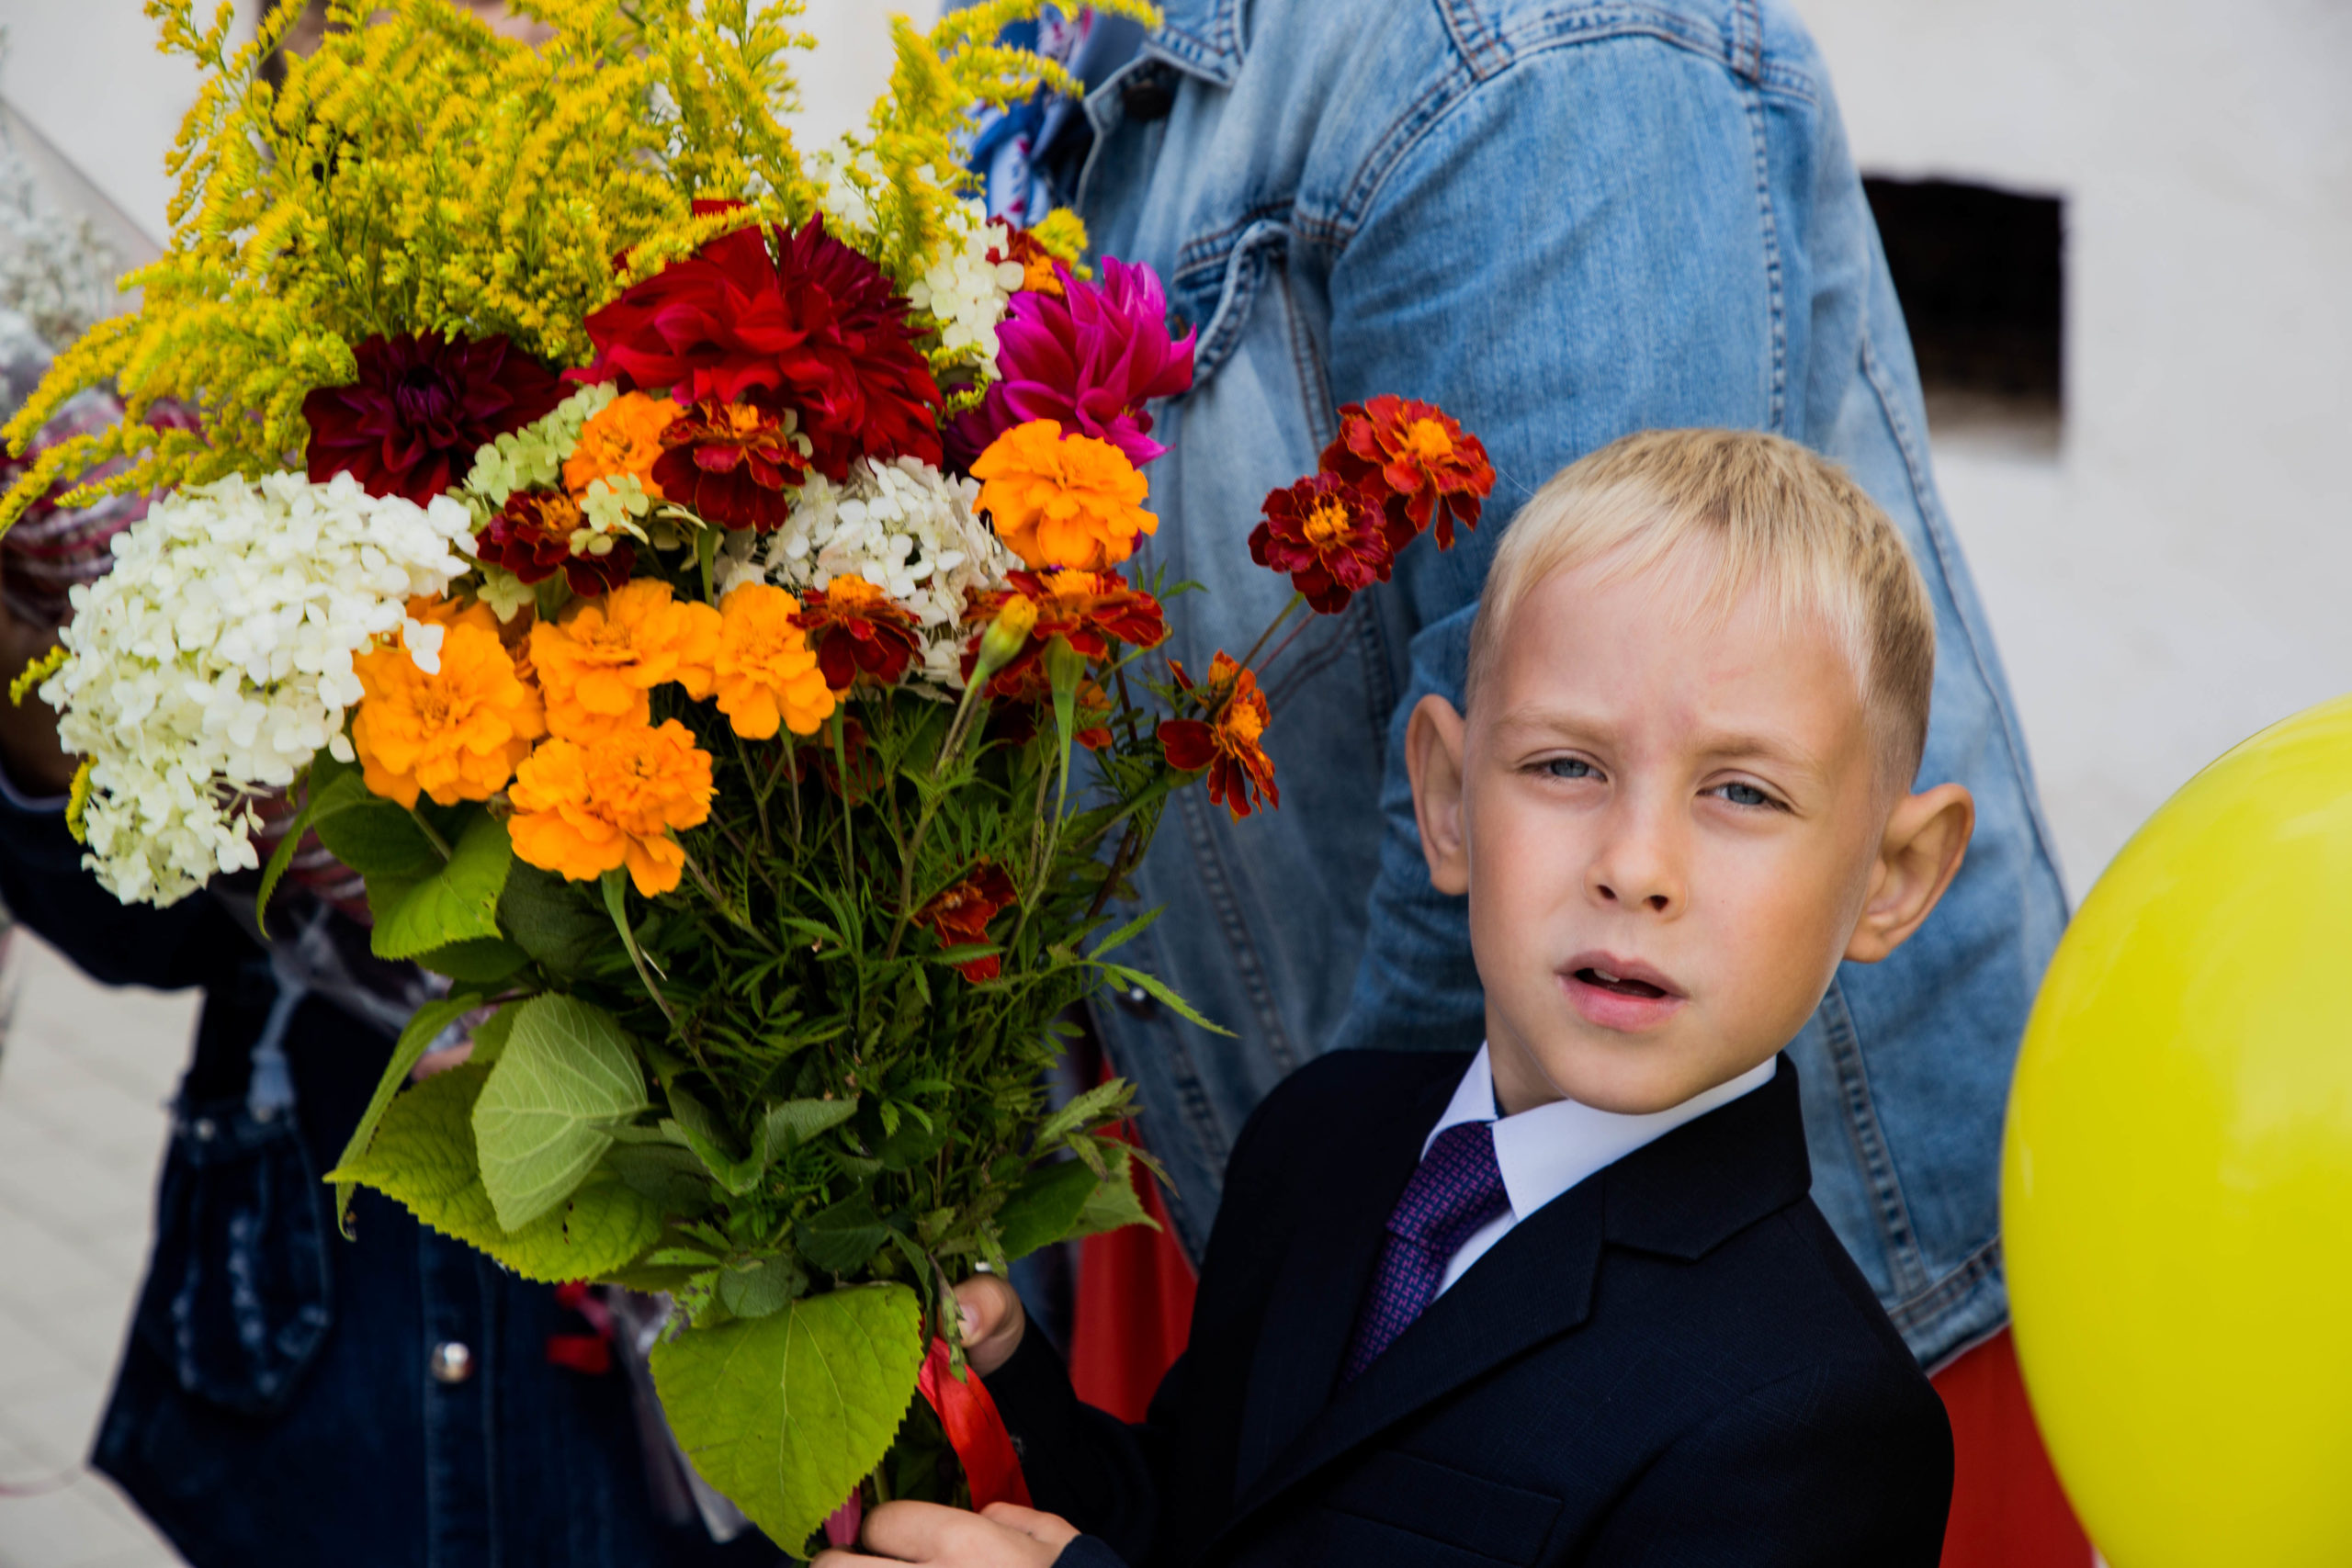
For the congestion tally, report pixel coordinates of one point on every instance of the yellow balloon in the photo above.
(2176, 1184)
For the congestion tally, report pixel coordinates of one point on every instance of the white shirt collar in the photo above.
(1546, 1151)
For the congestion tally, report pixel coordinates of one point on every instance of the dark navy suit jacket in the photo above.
(1672, 1362)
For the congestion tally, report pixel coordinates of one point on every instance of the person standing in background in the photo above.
(286, 1397)
(1560, 222)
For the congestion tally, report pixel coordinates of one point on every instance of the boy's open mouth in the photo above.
(1621, 985)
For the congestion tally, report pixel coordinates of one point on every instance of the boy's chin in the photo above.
(1627, 1075)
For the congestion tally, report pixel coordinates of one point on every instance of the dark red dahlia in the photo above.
(736, 465)
(1328, 535)
(1087, 355)
(812, 326)
(531, 536)
(420, 409)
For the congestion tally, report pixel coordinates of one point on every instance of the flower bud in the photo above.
(1006, 636)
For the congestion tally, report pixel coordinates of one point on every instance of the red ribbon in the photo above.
(975, 1431)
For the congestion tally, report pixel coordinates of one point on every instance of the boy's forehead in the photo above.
(1587, 647)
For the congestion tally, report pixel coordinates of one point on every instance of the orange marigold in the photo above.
(583, 807)
(454, 736)
(622, 437)
(599, 663)
(1227, 743)
(1062, 502)
(766, 672)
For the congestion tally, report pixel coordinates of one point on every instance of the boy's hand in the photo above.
(993, 1323)
(1000, 1536)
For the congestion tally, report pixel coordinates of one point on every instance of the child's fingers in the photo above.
(992, 1321)
(1034, 1523)
(917, 1532)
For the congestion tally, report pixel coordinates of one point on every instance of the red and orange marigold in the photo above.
(1328, 535)
(1227, 743)
(960, 916)
(858, 629)
(1090, 609)
(1419, 459)
(738, 465)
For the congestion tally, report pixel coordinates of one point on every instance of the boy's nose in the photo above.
(1637, 870)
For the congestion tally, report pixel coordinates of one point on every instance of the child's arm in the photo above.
(1081, 1463)
(1835, 1466)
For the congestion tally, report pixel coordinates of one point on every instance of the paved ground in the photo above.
(83, 1075)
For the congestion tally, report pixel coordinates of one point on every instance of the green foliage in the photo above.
(786, 1413)
(407, 1051)
(423, 1158)
(565, 1078)
(456, 900)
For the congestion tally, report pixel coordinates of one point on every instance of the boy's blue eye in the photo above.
(1746, 795)
(1568, 768)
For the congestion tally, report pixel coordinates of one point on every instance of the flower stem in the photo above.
(760, 791)
(1271, 627)
(615, 886)
(710, 891)
(440, 844)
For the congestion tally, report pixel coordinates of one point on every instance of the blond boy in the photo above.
(1568, 1301)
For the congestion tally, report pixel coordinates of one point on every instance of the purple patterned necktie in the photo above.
(1457, 1188)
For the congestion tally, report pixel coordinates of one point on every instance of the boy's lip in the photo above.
(1596, 984)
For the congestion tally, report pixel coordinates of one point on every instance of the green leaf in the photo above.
(785, 1414)
(1121, 976)
(553, 921)
(458, 901)
(1104, 1099)
(423, 1158)
(761, 1286)
(1044, 1206)
(373, 836)
(1126, 934)
(1115, 1202)
(793, 1122)
(490, 1039)
(422, 1029)
(567, 1073)
(671, 1176)
(478, 961)
(739, 1173)
(844, 1237)
(280, 858)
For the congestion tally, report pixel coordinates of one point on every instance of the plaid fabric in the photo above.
(1457, 1188)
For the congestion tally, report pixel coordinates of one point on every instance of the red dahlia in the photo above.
(812, 326)
(1328, 535)
(421, 407)
(1419, 459)
(733, 464)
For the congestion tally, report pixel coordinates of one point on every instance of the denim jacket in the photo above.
(1563, 220)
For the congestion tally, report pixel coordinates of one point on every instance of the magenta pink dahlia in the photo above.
(1089, 359)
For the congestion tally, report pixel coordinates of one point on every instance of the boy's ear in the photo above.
(1925, 840)
(1434, 757)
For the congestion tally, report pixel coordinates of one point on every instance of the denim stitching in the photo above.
(1923, 494)
(1470, 36)
(1938, 1299)
(1767, 223)
(1906, 1263)
(1454, 86)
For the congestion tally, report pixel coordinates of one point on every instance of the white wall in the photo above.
(2177, 575)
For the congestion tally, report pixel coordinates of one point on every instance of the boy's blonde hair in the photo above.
(1773, 518)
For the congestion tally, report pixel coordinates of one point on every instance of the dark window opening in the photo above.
(1981, 275)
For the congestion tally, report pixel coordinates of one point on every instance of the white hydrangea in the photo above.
(967, 293)
(903, 527)
(214, 661)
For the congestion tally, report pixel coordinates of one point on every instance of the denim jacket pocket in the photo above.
(237, 1294)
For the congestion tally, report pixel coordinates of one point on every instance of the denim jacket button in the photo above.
(452, 1362)
(203, 1129)
(1147, 98)
(1136, 1002)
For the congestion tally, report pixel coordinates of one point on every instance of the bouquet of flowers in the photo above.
(683, 578)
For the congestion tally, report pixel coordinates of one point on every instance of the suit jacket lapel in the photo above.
(1535, 1285)
(1311, 1312)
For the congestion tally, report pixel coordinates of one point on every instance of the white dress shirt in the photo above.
(1546, 1151)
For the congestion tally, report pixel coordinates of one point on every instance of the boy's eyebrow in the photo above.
(1761, 743)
